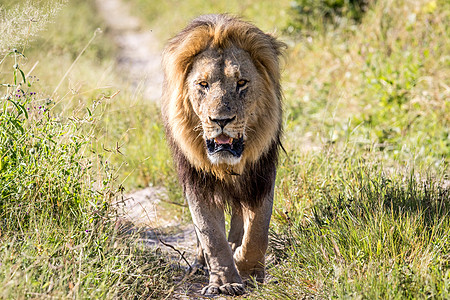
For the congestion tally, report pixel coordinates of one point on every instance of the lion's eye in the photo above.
(203, 84)
(241, 83)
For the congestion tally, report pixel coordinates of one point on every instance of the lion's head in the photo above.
(221, 98)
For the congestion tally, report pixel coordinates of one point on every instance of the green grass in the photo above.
(344, 227)
(375, 85)
(60, 236)
(362, 195)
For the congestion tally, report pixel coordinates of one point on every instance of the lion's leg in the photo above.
(249, 257)
(236, 229)
(209, 224)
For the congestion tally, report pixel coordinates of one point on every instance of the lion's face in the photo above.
(223, 90)
(221, 102)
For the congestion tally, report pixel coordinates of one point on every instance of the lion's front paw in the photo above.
(232, 289)
(211, 289)
(249, 269)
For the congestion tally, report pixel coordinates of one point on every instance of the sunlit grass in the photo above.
(343, 227)
(374, 84)
(270, 16)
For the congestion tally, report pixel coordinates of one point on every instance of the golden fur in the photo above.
(177, 110)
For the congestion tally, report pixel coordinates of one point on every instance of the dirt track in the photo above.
(139, 52)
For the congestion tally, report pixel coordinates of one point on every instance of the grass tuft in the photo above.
(21, 22)
(367, 234)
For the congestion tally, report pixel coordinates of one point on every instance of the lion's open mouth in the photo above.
(225, 143)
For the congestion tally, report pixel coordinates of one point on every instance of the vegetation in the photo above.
(312, 16)
(59, 234)
(362, 195)
(268, 15)
(347, 229)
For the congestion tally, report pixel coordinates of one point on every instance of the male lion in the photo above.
(221, 107)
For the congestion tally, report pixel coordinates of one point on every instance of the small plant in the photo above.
(22, 21)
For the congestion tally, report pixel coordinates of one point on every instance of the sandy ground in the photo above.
(139, 59)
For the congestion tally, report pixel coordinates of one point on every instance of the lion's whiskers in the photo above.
(198, 127)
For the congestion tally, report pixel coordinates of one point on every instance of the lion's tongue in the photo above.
(223, 139)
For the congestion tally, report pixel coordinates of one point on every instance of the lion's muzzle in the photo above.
(224, 144)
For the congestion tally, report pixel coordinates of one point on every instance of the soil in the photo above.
(139, 57)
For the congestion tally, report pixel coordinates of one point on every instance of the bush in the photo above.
(312, 15)
(42, 166)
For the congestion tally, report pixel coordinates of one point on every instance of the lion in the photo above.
(222, 113)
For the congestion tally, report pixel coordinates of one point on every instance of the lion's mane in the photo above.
(246, 182)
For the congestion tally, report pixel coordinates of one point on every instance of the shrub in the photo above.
(312, 15)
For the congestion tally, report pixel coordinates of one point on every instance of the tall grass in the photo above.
(60, 236)
(375, 84)
(344, 227)
(21, 22)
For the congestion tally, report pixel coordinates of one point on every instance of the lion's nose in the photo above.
(222, 122)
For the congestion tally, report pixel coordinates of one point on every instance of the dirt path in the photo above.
(139, 52)
(138, 61)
